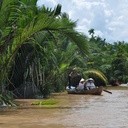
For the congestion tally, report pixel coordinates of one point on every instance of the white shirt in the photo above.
(90, 85)
(80, 86)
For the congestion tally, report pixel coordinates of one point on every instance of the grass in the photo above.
(46, 103)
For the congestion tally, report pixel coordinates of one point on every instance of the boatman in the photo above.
(74, 78)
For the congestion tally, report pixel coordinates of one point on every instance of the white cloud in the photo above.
(47, 2)
(107, 17)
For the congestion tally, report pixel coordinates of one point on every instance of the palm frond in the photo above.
(57, 10)
(29, 2)
(79, 39)
(96, 74)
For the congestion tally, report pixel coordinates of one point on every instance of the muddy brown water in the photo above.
(73, 111)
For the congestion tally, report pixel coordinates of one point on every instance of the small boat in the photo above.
(95, 91)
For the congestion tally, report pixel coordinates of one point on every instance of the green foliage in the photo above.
(120, 63)
(7, 99)
(46, 102)
(111, 59)
(99, 77)
(34, 43)
(40, 45)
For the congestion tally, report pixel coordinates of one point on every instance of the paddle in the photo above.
(107, 91)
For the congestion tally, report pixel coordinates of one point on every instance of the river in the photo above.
(73, 111)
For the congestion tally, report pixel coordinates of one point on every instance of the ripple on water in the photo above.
(74, 111)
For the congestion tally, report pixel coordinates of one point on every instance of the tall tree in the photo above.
(21, 23)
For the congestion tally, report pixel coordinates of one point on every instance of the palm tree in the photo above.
(91, 32)
(21, 23)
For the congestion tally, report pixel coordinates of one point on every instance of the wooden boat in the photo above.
(95, 91)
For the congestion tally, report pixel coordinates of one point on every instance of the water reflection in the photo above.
(74, 111)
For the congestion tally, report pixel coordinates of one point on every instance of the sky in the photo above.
(109, 18)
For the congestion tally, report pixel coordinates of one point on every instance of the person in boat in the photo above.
(74, 78)
(89, 84)
(81, 84)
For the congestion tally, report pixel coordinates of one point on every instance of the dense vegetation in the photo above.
(110, 58)
(39, 46)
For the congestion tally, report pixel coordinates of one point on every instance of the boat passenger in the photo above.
(90, 84)
(74, 77)
(81, 84)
